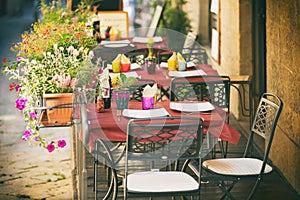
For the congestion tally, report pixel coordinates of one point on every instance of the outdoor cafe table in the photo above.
(107, 126)
(110, 51)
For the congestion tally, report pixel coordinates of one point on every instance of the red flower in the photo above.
(4, 60)
(12, 86)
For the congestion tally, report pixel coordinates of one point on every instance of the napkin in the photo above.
(150, 91)
(158, 112)
(104, 79)
(117, 59)
(105, 42)
(192, 107)
(173, 62)
(145, 39)
(124, 59)
(181, 62)
(198, 72)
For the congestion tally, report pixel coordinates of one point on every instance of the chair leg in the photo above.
(253, 190)
(224, 183)
(226, 190)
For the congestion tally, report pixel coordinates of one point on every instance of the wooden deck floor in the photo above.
(272, 187)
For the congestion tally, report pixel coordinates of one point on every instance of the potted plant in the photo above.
(47, 62)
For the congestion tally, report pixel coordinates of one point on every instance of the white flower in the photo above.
(70, 49)
(91, 55)
(81, 50)
(75, 53)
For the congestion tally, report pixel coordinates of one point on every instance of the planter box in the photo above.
(63, 110)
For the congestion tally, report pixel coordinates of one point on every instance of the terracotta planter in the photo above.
(61, 115)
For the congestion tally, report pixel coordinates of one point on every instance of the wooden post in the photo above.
(69, 5)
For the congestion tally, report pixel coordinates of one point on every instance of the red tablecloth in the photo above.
(106, 126)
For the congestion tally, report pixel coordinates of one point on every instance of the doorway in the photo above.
(259, 50)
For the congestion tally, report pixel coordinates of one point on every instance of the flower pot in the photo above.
(63, 113)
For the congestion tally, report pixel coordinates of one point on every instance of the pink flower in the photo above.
(74, 82)
(20, 103)
(26, 134)
(100, 71)
(33, 115)
(61, 143)
(75, 19)
(50, 147)
(18, 88)
(66, 80)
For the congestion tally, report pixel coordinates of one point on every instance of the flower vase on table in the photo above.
(62, 114)
(150, 61)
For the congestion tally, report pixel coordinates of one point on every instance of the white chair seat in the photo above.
(236, 166)
(161, 182)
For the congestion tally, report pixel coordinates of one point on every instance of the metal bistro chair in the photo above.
(164, 146)
(191, 51)
(228, 171)
(215, 89)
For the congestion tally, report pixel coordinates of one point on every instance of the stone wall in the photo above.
(283, 79)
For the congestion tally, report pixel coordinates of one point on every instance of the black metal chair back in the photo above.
(215, 89)
(162, 144)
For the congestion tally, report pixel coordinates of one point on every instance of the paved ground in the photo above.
(26, 170)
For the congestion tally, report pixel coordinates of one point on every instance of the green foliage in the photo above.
(175, 18)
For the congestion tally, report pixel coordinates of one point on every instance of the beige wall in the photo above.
(283, 78)
(235, 43)
(235, 38)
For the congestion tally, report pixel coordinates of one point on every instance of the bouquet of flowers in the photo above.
(56, 72)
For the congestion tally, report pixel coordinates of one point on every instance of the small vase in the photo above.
(63, 114)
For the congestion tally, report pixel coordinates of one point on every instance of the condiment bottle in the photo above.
(100, 104)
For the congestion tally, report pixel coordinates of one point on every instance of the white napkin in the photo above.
(150, 91)
(158, 112)
(105, 42)
(192, 107)
(145, 39)
(104, 79)
(198, 72)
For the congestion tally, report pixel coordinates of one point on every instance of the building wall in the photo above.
(283, 79)
(235, 38)
(198, 13)
(235, 43)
